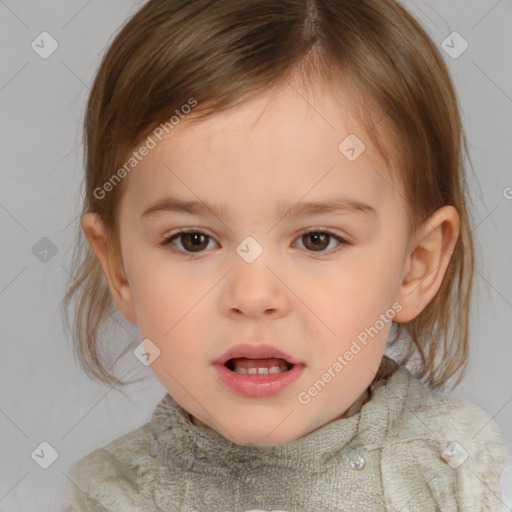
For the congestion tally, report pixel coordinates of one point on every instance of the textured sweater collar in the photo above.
(190, 446)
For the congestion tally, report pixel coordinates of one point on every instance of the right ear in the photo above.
(111, 262)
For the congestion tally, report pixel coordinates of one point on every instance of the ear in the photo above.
(428, 257)
(111, 262)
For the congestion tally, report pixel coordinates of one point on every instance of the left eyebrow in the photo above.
(299, 209)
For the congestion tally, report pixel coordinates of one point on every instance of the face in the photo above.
(318, 284)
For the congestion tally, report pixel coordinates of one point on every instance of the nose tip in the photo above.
(255, 298)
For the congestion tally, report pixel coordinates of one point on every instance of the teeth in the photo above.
(261, 371)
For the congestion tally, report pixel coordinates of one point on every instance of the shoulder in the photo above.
(109, 478)
(458, 446)
(448, 418)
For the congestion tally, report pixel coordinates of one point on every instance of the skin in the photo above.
(195, 306)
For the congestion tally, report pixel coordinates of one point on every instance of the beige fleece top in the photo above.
(408, 449)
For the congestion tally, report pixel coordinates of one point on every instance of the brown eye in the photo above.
(191, 241)
(318, 241)
(194, 241)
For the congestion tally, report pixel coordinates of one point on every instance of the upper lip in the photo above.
(251, 351)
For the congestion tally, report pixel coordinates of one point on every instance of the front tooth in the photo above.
(261, 371)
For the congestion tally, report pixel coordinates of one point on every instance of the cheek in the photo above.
(358, 291)
(355, 309)
(171, 312)
(163, 294)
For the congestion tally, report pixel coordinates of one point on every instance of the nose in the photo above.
(254, 290)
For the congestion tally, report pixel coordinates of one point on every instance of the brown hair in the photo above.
(221, 53)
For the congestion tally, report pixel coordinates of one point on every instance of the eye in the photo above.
(191, 240)
(318, 240)
(195, 241)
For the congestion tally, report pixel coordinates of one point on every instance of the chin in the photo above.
(258, 429)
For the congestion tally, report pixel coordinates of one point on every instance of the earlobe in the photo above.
(429, 255)
(96, 232)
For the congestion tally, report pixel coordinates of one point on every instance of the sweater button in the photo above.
(356, 459)
(200, 455)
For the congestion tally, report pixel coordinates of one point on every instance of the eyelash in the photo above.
(168, 241)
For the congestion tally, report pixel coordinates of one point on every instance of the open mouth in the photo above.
(258, 366)
(268, 372)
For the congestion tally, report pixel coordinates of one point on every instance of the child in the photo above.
(271, 189)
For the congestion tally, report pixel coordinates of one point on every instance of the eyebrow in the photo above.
(289, 209)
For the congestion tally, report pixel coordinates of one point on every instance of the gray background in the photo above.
(44, 395)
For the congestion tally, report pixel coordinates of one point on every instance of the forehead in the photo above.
(287, 144)
(281, 116)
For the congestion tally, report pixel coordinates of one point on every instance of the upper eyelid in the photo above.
(302, 232)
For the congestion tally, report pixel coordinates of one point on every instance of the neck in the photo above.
(358, 404)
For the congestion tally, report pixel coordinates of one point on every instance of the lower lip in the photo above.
(258, 385)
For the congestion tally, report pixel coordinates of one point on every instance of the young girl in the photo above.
(272, 189)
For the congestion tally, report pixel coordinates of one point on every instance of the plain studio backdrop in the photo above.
(47, 405)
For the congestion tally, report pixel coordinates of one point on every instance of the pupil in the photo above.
(196, 237)
(316, 237)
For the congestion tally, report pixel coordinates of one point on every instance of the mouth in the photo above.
(257, 370)
(250, 366)
(255, 358)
